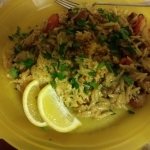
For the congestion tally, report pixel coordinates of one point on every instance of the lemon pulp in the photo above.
(54, 112)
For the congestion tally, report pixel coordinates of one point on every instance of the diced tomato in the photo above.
(53, 22)
(126, 61)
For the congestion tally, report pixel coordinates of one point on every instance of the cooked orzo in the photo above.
(97, 61)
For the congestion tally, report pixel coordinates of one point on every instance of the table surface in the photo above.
(5, 146)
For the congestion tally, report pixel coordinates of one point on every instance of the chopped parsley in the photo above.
(109, 16)
(63, 67)
(113, 68)
(119, 44)
(53, 83)
(128, 80)
(59, 75)
(74, 83)
(92, 73)
(109, 66)
(101, 65)
(18, 35)
(28, 63)
(124, 33)
(14, 72)
(88, 86)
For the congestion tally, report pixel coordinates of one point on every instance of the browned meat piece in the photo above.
(131, 17)
(137, 22)
(82, 15)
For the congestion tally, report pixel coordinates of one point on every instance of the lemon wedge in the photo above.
(54, 112)
(30, 104)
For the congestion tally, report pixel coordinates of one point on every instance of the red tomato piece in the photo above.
(53, 22)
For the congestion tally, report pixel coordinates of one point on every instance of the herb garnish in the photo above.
(88, 86)
(109, 16)
(127, 78)
(14, 72)
(28, 63)
(74, 83)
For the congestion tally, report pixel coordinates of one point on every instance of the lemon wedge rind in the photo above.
(30, 108)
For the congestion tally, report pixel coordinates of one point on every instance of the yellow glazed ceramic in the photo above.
(117, 133)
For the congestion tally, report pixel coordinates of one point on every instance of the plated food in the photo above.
(97, 61)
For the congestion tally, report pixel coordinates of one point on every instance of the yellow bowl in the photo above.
(119, 133)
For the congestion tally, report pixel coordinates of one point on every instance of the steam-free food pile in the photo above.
(97, 61)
